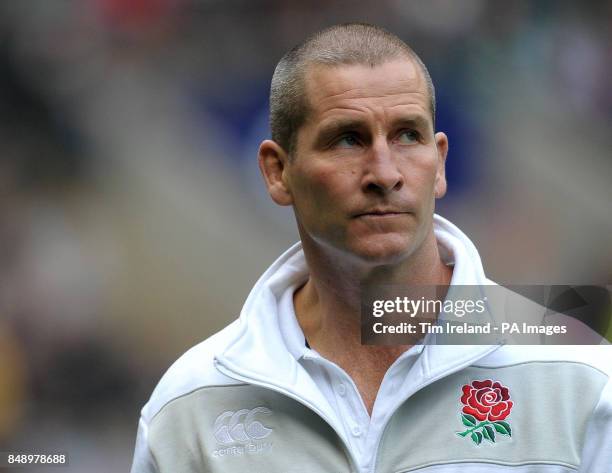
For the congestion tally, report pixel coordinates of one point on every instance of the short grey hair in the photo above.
(345, 44)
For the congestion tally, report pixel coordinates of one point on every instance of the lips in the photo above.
(381, 213)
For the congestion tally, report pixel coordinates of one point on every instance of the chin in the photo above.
(382, 250)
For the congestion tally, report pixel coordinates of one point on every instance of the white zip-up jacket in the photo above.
(240, 402)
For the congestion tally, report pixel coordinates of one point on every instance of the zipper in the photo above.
(232, 373)
(395, 408)
(445, 373)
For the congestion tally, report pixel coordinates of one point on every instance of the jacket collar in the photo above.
(259, 353)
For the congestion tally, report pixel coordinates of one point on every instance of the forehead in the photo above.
(395, 85)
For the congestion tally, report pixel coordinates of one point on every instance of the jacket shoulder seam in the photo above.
(530, 362)
(189, 393)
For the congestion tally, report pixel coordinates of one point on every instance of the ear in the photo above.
(442, 147)
(273, 162)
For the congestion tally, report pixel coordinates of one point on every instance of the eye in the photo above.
(347, 141)
(407, 137)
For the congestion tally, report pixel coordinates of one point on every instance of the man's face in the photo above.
(367, 167)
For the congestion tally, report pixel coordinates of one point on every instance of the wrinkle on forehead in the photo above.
(400, 80)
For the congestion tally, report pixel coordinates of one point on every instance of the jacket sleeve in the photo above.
(143, 458)
(597, 449)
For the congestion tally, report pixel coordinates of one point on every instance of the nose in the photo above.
(382, 174)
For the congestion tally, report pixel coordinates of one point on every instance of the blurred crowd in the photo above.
(132, 217)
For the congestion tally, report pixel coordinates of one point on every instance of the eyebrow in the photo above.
(340, 126)
(415, 121)
(336, 128)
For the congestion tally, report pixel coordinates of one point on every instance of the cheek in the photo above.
(324, 189)
(420, 177)
(427, 167)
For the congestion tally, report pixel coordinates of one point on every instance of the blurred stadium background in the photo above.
(132, 218)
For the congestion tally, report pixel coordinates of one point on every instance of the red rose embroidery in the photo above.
(486, 400)
(485, 406)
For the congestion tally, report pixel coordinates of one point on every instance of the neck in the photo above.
(328, 306)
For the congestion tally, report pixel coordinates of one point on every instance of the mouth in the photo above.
(381, 213)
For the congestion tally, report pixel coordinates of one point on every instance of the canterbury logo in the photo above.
(240, 426)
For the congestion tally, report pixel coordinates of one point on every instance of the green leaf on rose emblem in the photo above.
(468, 420)
(503, 428)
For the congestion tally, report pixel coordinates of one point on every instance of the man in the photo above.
(289, 387)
